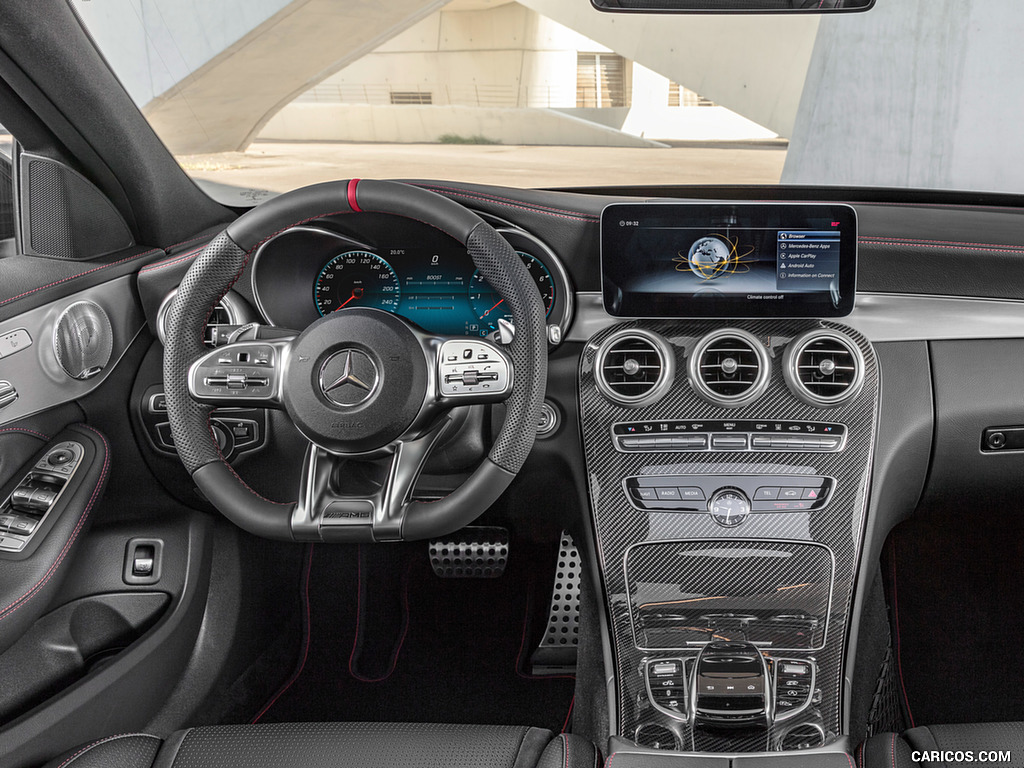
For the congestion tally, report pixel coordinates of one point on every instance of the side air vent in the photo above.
(230, 310)
(823, 367)
(730, 367)
(634, 367)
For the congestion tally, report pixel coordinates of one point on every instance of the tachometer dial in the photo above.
(357, 279)
(490, 307)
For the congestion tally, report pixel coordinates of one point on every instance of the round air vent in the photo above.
(730, 367)
(230, 310)
(83, 340)
(823, 367)
(634, 367)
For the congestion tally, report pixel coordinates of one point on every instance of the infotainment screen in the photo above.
(728, 260)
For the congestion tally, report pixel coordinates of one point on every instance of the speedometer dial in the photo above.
(489, 307)
(357, 279)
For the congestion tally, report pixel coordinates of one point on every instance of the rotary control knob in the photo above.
(729, 507)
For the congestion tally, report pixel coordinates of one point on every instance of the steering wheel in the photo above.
(356, 383)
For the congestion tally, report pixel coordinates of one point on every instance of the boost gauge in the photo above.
(489, 307)
(357, 279)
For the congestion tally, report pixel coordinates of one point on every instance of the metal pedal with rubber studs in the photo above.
(476, 552)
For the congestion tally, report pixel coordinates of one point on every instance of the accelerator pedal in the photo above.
(475, 552)
(556, 654)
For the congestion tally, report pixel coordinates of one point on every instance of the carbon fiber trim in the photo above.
(619, 525)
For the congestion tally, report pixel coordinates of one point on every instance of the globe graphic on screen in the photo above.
(708, 258)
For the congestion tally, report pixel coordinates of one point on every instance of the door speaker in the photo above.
(83, 340)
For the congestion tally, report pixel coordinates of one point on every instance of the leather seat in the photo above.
(944, 745)
(338, 745)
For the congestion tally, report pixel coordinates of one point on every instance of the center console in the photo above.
(728, 462)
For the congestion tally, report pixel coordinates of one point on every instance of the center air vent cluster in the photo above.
(634, 367)
(730, 367)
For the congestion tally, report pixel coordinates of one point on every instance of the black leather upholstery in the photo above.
(339, 745)
(944, 745)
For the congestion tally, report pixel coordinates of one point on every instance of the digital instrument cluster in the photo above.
(398, 266)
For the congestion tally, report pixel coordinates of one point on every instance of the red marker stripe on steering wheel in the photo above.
(353, 204)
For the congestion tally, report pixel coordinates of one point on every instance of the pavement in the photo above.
(280, 166)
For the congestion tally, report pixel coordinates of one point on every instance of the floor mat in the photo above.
(955, 589)
(390, 641)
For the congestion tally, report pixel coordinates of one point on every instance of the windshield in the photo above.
(277, 94)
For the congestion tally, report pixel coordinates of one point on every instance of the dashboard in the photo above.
(399, 266)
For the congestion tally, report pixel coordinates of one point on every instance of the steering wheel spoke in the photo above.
(243, 374)
(327, 513)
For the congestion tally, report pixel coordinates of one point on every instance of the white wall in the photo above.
(919, 93)
(308, 121)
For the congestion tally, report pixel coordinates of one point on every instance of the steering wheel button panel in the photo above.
(468, 368)
(244, 372)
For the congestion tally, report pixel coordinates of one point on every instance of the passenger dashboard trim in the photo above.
(880, 317)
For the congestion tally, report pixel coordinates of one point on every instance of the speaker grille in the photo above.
(67, 217)
(83, 340)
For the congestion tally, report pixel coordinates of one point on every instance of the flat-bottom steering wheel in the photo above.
(357, 382)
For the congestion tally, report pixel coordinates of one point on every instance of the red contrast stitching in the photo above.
(508, 203)
(10, 609)
(80, 274)
(893, 749)
(305, 649)
(947, 247)
(176, 259)
(359, 608)
(85, 749)
(860, 759)
(849, 760)
(896, 617)
(565, 750)
(608, 763)
(941, 242)
(32, 432)
(568, 715)
(191, 240)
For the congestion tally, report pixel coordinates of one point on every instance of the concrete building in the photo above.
(502, 72)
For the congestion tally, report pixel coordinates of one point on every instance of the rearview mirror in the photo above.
(733, 6)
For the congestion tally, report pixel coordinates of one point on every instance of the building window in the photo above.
(678, 96)
(601, 80)
(412, 97)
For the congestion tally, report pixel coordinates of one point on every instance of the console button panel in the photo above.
(794, 686)
(665, 680)
(749, 435)
(767, 493)
(23, 511)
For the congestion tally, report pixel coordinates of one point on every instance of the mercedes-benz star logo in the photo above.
(349, 378)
